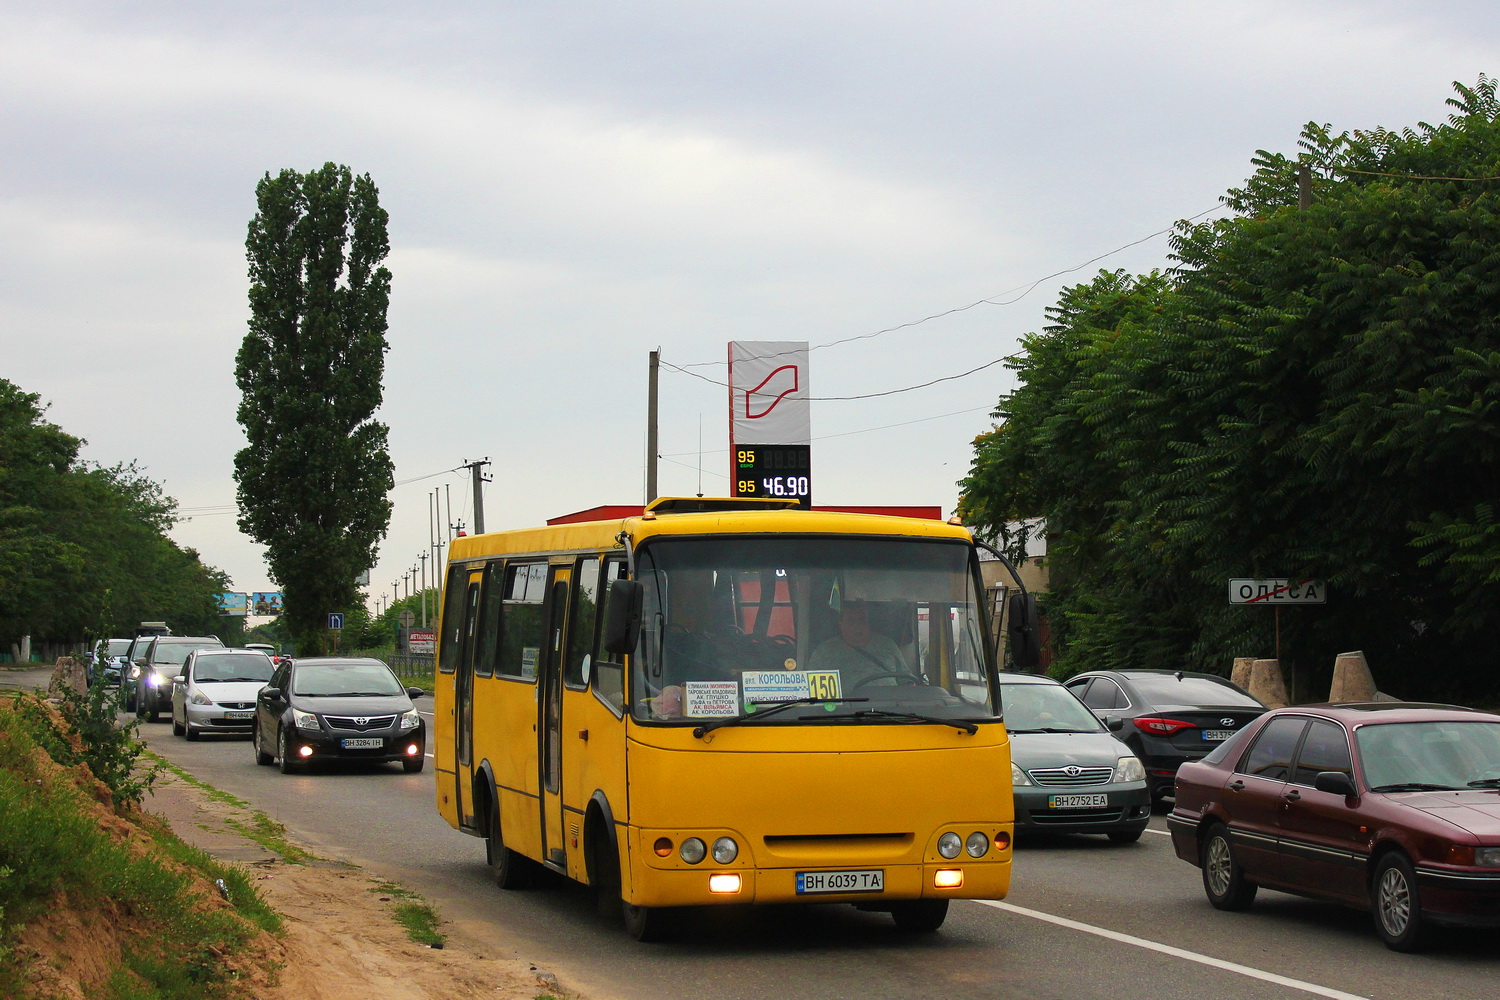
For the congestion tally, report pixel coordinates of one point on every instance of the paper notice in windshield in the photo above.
(711, 699)
(787, 685)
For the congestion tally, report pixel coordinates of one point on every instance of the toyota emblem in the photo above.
(361, 721)
(1226, 722)
(1072, 770)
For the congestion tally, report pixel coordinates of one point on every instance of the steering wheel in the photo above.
(896, 680)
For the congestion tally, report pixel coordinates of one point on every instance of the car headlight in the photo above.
(1018, 776)
(135, 672)
(1129, 769)
(199, 698)
(1487, 856)
(410, 720)
(304, 720)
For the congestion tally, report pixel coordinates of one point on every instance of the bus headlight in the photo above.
(692, 851)
(725, 850)
(949, 845)
(978, 844)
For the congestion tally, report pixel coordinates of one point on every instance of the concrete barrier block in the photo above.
(69, 674)
(1240, 675)
(1352, 680)
(1267, 684)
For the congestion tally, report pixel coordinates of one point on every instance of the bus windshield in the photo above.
(862, 629)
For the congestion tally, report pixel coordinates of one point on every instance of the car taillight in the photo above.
(1161, 727)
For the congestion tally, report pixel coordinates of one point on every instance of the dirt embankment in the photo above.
(341, 939)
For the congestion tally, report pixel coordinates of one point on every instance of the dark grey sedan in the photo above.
(1070, 774)
(1168, 717)
(337, 708)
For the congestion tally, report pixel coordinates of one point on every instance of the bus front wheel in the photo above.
(919, 916)
(646, 923)
(510, 870)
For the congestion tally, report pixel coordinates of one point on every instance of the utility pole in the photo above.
(395, 592)
(479, 477)
(424, 557)
(651, 443)
(1304, 187)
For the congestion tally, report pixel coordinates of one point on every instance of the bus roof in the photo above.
(569, 536)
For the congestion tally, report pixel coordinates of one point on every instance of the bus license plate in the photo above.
(1217, 735)
(1077, 801)
(870, 880)
(362, 744)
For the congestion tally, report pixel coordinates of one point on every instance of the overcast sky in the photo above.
(572, 185)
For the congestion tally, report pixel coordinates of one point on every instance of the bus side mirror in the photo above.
(622, 620)
(1023, 628)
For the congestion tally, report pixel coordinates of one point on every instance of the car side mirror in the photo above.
(1114, 723)
(270, 693)
(622, 620)
(1336, 782)
(415, 692)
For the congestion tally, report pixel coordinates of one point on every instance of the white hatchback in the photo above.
(215, 692)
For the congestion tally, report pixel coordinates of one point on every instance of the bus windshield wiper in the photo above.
(881, 713)
(761, 713)
(1413, 786)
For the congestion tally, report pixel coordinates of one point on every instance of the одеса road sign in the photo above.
(1278, 592)
(335, 622)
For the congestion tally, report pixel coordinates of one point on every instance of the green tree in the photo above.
(314, 478)
(1312, 393)
(84, 547)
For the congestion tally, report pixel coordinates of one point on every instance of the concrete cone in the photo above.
(1240, 675)
(1352, 680)
(1266, 683)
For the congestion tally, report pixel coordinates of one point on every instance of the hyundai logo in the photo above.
(1226, 722)
(361, 721)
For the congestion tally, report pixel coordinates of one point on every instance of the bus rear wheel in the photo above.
(509, 869)
(919, 916)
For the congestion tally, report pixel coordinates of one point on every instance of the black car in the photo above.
(337, 708)
(1170, 716)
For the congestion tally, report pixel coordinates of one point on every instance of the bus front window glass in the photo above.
(733, 625)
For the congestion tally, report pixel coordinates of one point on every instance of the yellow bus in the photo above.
(727, 701)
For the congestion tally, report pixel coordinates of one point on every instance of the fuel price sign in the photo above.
(774, 471)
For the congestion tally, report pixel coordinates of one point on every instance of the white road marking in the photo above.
(1182, 953)
(1159, 833)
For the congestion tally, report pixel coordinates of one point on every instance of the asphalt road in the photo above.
(1085, 918)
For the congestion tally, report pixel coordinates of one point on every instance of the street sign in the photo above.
(1278, 592)
(406, 617)
(421, 642)
(335, 622)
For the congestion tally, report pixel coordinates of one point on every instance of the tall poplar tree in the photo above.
(314, 479)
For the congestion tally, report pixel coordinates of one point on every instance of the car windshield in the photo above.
(1410, 756)
(345, 680)
(1168, 689)
(1044, 708)
(118, 647)
(865, 630)
(226, 667)
(176, 653)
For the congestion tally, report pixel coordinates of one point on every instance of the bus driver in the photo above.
(859, 653)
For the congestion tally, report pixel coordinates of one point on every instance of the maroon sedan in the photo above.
(1389, 807)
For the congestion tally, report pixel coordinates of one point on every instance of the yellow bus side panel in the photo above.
(589, 765)
(443, 747)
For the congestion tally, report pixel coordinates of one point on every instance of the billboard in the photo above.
(266, 604)
(233, 604)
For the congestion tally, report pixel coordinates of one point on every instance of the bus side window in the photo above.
(581, 641)
(607, 674)
(453, 619)
(491, 601)
(521, 639)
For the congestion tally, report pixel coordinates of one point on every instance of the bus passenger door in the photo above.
(463, 700)
(549, 722)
